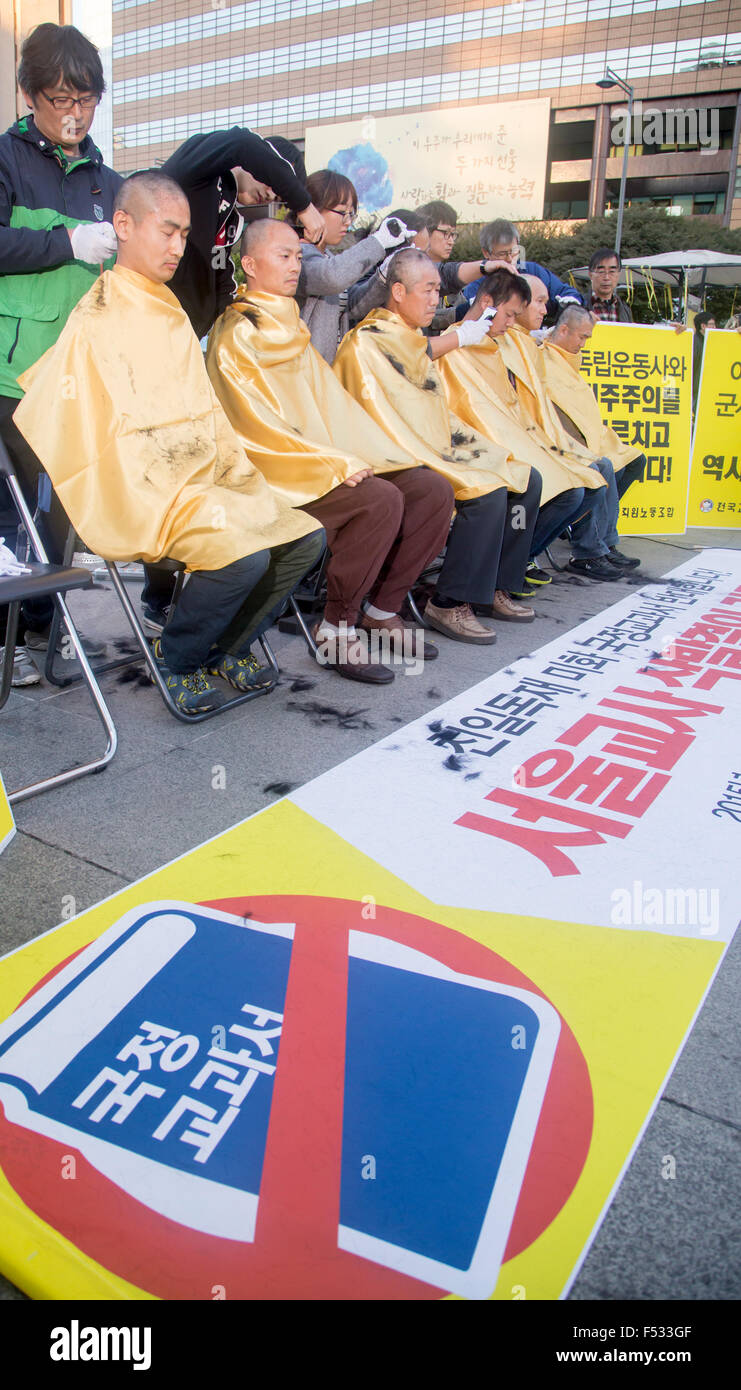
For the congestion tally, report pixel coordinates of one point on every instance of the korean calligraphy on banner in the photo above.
(7, 824)
(715, 479)
(486, 161)
(227, 1048)
(642, 379)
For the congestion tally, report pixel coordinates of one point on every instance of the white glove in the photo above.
(472, 331)
(93, 242)
(393, 232)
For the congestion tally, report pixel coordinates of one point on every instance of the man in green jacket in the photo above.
(56, 206)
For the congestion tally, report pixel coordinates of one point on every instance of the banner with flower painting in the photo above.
(486, 161)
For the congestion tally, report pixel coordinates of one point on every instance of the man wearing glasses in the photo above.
(441, 221)
(56, 205)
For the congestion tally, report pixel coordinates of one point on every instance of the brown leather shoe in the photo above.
(349, 657)
(401, 644)
(508, 611)
(460, 623)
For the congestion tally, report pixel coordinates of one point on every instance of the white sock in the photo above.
(329, 630)
(376, 612)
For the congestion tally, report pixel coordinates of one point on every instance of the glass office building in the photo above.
(182, 66)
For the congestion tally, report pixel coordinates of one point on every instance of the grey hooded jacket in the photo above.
(323, 290)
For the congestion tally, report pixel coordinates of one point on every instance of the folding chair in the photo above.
(143, 642)
(51, 672)
(551, 559)
(47, 581)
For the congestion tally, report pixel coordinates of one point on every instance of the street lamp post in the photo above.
(611, 79)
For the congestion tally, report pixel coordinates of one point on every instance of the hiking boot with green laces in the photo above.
(191, 691)
(244, 673)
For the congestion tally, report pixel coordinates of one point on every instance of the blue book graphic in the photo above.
(444, 1080)
(154, 1053)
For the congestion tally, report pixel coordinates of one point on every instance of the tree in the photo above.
(647, 231)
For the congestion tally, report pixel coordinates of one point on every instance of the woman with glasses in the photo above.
(326, 277)
(56, 235)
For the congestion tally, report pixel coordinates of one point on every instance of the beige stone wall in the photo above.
(17, 18)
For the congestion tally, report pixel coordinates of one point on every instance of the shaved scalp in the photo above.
(573, 316)
(407, 267)
(261, 232)
(535, 283)
(140, 193)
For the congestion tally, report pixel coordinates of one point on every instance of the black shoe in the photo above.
(526, 591)
(595, 567)
(533, 575)
(622, 562)
(154, 617)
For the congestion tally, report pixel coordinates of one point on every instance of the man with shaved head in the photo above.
(574, 398)
(385, 364)
(385, 516)
(481, 393)
(123, 417)
(594, 537)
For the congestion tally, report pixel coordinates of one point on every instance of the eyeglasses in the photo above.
(346, 216)
(449, 236)
(67, 103)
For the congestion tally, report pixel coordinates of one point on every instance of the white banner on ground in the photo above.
(551, 787)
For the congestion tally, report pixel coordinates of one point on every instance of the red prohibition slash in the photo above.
(294, 1254)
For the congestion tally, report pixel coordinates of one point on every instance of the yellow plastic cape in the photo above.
(522, 356)
(573, 395)
(298, 425)
(481, 394)
(386, 367)
(125, 421)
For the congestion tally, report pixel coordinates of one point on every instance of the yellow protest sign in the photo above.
(7, 824)
(715, 479)
(642, 379)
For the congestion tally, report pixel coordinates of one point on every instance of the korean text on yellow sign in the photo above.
(642, 379)
(715, 479)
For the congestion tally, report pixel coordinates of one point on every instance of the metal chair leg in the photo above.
(303, 626)
(554, 563)
(414, 608)
(50, 672)
(102, 710)
(11, 633)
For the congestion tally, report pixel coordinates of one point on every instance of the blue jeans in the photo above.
(596, 532)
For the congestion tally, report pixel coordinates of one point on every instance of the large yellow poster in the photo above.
(486, 161)
(642, 379)
(715, 479)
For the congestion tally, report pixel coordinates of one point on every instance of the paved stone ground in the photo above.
(661, 1239)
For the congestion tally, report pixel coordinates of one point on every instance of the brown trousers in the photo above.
(381, 534)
